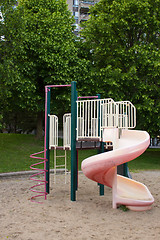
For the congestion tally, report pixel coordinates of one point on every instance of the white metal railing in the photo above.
(53, 136)
(120, 114)
(67, 130)
(109, 114)
(126, 114)
(89, 117)
(92, 117)
(88, 113)
(96, 114)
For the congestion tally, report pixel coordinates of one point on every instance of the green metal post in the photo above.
(47, 140)
(126, 170)
(101, 186)
(76, 184)
(73, 142)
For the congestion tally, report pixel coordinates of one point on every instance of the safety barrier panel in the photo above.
(95, 115)
(67, 130)
(120, 114)
(109, 114)
(126, 114)
(53, 136)
(88, 113)
(89, 118)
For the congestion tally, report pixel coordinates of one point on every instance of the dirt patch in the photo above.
(90, 217)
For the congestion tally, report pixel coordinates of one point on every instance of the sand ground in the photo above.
(90, 217)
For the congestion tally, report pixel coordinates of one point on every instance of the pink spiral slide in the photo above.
(102, 168)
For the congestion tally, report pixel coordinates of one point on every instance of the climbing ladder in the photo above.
(53, 142)
(57, 165)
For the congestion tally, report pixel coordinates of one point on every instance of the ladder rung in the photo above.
(60, 166)
(60, 156)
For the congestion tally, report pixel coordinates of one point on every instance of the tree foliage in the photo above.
(123, 38)
(39, 49)
(39, 46)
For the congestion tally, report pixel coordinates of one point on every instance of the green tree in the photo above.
(39, 50)
(123, 38)
(5, 5)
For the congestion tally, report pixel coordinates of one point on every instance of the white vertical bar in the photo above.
(116, 114)
(120, 125)
(68, 133)
(64, 137)
(83, 119)
(80, 117)
(107, 114)
(90, 127)
(54, 130)
(100, 111)
(134, 117)
(130, 116)
(96, 117)
(93, 118)
(88, 120)
(55, 165)
(123, 115)
(126, 115)
(77, 119)
(56, 136)
(104, 116)
(65, 155)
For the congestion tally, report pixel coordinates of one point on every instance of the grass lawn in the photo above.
(15, 150)
(150, 160)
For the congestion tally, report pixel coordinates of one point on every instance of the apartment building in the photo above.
(80, 10)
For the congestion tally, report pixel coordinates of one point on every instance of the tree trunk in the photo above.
(39, 134)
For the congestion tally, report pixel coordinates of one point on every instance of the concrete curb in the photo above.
(27, 173)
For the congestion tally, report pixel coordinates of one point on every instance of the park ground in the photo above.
(90, 217)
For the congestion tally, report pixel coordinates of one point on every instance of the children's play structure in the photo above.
(99, 124)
